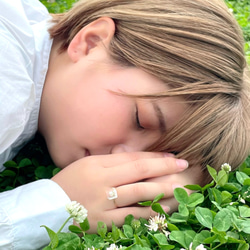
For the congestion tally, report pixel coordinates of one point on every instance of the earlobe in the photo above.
(96, 34)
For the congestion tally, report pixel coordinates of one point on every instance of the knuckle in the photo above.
(91, 160)
(135, 212)
(141, 167)
(166, 190)
(144, 212)
(138, 189)
(169, 163)
(133, 156)
(152, 213)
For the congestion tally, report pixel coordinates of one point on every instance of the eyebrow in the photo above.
(160, 117)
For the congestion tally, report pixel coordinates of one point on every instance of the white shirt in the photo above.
(24, 55)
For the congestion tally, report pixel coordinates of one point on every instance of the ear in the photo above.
(97, 33)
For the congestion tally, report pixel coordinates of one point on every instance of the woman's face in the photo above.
(82, 115)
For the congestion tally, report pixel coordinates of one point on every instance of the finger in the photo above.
(170, 203)
(142, 191)
(112, 160)
(143, 169)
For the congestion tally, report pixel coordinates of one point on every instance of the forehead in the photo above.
(134, 81)
(174, 106)
(171, 109)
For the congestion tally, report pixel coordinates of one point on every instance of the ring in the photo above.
(112, 194)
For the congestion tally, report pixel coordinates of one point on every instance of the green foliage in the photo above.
(241, 11)
(216, 216)
(32, 163)
(23, 172)
(58, 6)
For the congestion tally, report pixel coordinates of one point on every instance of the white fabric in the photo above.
(24, 54)
(25, 209)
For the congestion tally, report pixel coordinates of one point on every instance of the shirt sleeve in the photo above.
(19, 91)
(24, 209)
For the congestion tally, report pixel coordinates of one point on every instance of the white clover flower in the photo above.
(167, 233)
(114, 247)
(153, 226)
(241, 199)
(188, 248)
(226, 167)
(157, 223)
(246, 194)
(200, 247)
(78, 212)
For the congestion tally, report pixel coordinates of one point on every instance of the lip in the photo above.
(87, 153)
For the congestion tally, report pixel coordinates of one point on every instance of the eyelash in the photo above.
(138, 124)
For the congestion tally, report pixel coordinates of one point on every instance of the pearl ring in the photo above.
(112, 194)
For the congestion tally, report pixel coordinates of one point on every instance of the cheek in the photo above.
(98, 116)
(111, 118)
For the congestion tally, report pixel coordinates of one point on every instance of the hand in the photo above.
(88, 180)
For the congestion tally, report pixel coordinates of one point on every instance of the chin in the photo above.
(62, 160)
(59, 162)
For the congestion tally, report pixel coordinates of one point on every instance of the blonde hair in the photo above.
(196, 48)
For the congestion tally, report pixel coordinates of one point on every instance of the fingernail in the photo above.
(169, 155)
(174, 186)
(165, 208)
(181, 164)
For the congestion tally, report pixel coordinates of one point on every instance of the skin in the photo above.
(90, 129)
(86, 118)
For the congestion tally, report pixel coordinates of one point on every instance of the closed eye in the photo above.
(138, 124)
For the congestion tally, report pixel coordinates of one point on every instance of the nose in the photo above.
(121, 148)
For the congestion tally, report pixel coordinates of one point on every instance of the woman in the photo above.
(117, 78)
